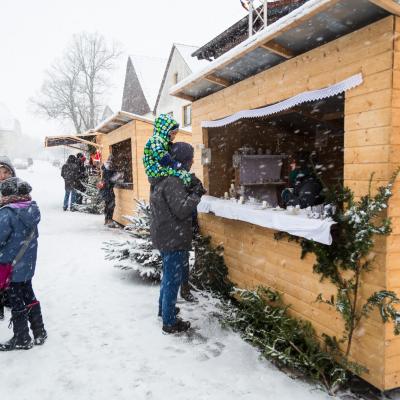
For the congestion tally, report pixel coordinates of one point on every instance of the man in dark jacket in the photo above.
(172, 206)
(70, 173)
(80, 161)
(19, 218)
(110, 176)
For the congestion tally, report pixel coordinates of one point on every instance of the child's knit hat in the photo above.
(15, 187)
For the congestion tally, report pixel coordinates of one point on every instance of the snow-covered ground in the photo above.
(105, 340)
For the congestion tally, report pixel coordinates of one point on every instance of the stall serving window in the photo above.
(122, 153)
(258, 158)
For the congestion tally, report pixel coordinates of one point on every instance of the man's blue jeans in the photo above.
(69, 193)
(174, 263)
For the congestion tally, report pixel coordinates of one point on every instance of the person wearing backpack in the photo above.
(19, 219)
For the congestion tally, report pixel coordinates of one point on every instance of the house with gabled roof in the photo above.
(180, 65)
(142, 82)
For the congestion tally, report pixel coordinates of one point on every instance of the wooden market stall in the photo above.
(325, 79)
(125, 135)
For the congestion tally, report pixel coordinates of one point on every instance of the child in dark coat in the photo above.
(19, 218)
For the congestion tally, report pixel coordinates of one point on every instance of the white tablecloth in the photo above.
(298, 225)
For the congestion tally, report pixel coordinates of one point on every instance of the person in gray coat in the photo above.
(6, 169)
(172, 206)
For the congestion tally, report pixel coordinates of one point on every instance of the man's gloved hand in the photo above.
(197, 187)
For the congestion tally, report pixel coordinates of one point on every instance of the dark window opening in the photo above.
(122, 153)
(315, 129)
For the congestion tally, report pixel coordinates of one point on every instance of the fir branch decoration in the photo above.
(263, 321)
(357, 224)
(209, 271)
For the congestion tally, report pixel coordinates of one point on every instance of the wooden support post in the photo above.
(276, 48)
(217, 80)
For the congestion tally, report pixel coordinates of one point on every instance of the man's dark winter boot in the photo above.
(179, 326)
(186, 294)
(21, 339)
(36, 321)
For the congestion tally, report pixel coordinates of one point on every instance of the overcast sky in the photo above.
(34, 32)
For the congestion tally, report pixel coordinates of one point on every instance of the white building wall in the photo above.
(169, 103)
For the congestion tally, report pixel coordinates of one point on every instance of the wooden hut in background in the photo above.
(348, 51)
(125, 135)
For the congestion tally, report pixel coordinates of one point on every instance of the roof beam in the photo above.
(219, 81)
(389, 5)
(72, 147)
(276, 48)
(185, 97)
(76, 139)
(292, 20)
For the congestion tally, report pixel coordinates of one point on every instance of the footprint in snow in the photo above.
(175, 349)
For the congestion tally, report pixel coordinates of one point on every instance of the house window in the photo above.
(176, 78)
(187, 115)
(122, 152)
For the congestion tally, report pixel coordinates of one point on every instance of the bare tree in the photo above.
(75, 84)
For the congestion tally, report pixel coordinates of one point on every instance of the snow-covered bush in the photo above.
(137, 254)
(92, 202)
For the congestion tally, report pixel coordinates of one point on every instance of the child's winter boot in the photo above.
(1, 305)
(21, 339)
(36, 322)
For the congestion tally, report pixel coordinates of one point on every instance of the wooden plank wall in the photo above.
(392, 343)
(139, 132)
(253, 257)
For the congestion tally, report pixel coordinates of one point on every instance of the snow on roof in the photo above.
(186, 52)
(361, 12)
(7, 119)
(149, 71)
(121, 118)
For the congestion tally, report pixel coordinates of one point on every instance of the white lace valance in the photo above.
(301, 98)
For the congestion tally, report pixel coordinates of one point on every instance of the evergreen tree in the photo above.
(137, 254)
(92, 202)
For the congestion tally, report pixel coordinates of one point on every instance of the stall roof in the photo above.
(72, 140)
(239, 31)
(122, 118)
(315, 23)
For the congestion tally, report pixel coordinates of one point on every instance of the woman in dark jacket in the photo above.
(19, 218)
